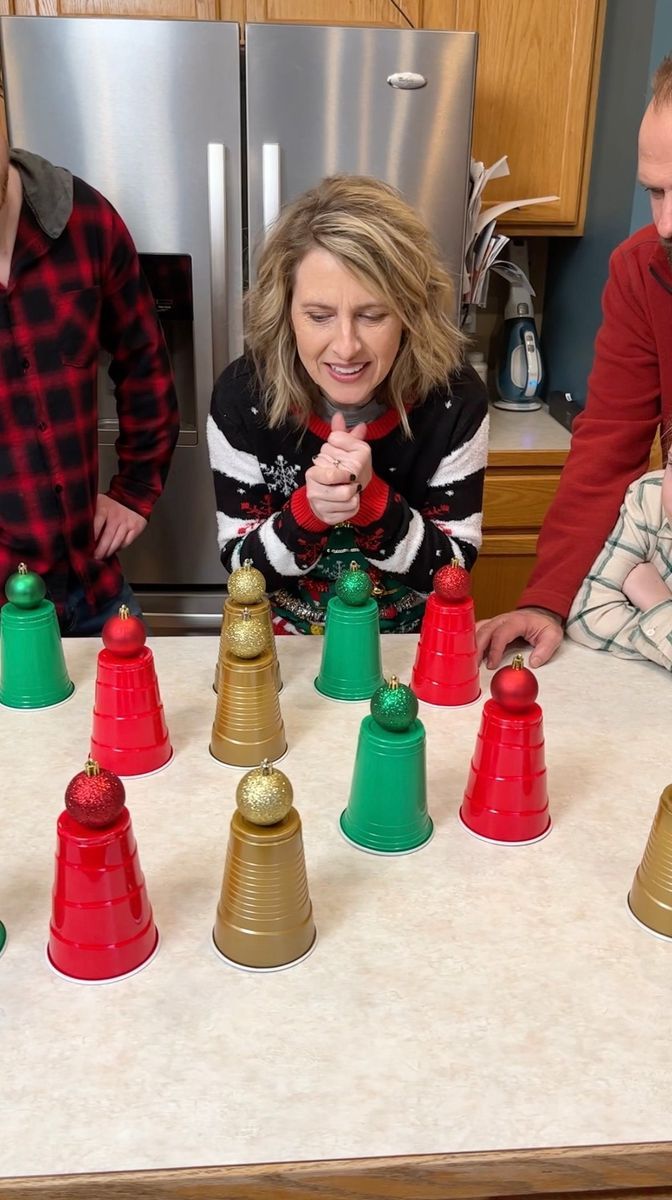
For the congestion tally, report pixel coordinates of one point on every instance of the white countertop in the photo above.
(526, 431)
(466, 997)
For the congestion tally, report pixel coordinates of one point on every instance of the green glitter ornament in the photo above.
(354, 586)
(25, 589)
(394, 706)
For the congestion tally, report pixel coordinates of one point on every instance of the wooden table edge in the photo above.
(625, 1172)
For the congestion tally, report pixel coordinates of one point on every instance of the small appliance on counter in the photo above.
(520, 372)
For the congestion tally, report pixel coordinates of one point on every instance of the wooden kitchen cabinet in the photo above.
(190, 10)
(337, 12)
(536, 91)
(519, 487)
(536, 86)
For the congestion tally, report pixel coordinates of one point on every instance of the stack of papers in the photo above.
(483, 244)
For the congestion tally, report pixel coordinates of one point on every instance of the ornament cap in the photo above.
(22, 569)
(518, 662)
(124, 612)
(91, 767)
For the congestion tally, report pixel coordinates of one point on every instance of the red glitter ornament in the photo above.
(124, 635)
(95, 797)
(514, 687)
(452, 582)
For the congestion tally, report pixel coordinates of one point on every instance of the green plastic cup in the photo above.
(387, 809)
(3, 937)
(351, 668)
(33, 673)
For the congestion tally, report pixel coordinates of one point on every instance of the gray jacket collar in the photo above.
(47, 190)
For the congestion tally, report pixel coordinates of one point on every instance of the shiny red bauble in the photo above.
(452, 582)
(95, 797)
(514, 687)
(124, 634)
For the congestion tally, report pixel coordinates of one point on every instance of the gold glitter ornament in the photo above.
(246, 585)
(247, 637)
(264, 796)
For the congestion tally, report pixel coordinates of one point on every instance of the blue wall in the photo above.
(638, 33)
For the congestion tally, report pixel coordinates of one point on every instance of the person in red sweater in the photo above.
(629, 397)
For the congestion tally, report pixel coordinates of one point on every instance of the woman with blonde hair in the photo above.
(351, 429)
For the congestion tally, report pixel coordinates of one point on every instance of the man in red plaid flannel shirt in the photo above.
(71, 286)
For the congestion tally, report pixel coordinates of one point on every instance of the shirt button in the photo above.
(42, 426)
(25, 364)
(58, 488)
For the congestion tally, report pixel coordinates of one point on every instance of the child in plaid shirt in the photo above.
(625, 602)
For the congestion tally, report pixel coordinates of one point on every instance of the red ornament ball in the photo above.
(124, 634)
(514, 687)
(452, 582)
(95, 797)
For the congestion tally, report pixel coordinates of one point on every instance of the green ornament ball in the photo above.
(354, 586)
(24, 588)
(394, 706)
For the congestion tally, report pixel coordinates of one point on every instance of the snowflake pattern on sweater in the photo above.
(421, 509)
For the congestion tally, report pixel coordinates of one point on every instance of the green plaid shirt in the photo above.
(601, 616)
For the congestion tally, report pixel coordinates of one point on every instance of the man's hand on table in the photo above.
(542, 629)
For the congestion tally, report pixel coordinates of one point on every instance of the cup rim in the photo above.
(230, 962)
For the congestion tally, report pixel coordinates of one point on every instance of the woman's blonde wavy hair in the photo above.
(379, 238)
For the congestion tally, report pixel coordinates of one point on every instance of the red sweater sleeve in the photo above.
(611, 440)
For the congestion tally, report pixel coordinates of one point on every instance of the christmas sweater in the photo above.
(421, 509)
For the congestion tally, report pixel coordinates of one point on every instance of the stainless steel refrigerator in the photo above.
(198, 144)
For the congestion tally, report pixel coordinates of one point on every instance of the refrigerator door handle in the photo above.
(270, 183)
(218, 256)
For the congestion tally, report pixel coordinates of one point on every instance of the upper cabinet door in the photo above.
(536, 88)
(335, 12)
(192, 10)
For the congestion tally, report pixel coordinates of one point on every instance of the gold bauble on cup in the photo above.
(246, 585)
(264, 796)
(247, 637)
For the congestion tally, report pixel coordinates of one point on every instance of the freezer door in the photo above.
(148, 112)
(396, 104)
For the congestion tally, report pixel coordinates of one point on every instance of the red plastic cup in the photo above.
(129, 735)
(102, 927)
(506, 797)
(446, 662)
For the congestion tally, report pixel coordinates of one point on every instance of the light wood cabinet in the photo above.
(536, 86)
(519, 487)
(536, 91)
(337, 12)
(190, 10)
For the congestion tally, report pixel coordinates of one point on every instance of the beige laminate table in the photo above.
(475, 1021)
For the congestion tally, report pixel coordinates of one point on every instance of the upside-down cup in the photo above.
(101, 927)
(506, 797)
(248, 725)
(445, 671)
(264, 917)
(232, 612)
(33, 673)
(129, 735)
(351, 666)
(650, 898)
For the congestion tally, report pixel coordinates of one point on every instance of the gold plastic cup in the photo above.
(264, 916)
(248, 725)
(231, 612)
(650, 897)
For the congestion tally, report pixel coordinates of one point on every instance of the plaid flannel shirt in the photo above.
(75, 288)
(601, 616)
